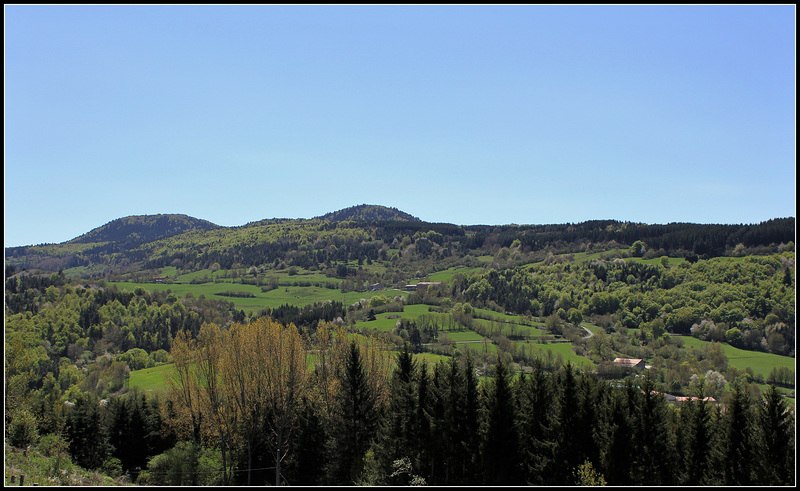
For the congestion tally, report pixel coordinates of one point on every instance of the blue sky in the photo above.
(462, 114)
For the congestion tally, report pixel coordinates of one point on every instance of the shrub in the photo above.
(22, 429)
(186, 464)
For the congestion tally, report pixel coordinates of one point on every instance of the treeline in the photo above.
(701, 239)
(319, 244)
(307, 317)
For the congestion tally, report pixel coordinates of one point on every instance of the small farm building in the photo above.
(629, 362)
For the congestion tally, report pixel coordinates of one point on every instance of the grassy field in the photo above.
(463, 336)
(563, 349)
(446, 275)
(150, 379)
(293, 295)
(760, 363)
(382, 321)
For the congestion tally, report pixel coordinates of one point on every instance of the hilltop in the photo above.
(368, 213)
(139, 229)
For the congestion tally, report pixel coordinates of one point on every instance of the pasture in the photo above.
(760, 363)
(153, 379)
(293, 295)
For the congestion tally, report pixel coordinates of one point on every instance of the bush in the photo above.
(52, 445)
(186, 464)
(22, 429)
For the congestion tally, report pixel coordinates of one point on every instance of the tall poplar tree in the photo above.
(214, 400)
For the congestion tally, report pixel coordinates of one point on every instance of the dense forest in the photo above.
(317, 394)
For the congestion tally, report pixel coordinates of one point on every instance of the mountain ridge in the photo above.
(371, 233)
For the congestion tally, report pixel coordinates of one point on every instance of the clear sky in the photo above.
(462, 114)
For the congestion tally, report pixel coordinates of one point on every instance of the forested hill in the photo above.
(368, 213)
(139, 229)
(369, 233)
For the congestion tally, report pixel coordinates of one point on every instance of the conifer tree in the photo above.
(355, 420)
(619, 434)
(500, 450)
(535, 420)
(422, 427)
(567, 457)
(396, 434)
(470, 423)
(776, 440)
(307, 464)
(654, 455)
(696, 418)
(87, 432)
(439, 445)
(738, 445)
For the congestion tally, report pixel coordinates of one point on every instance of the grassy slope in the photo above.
(761, 363)
(150, 379)
(41, 470)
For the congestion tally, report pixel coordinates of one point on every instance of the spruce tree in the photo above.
(776, 440)
(422, 427)
(470, 423)
(500, 450)
(567, 457)
(397, 432)
(355, 421)
(738, 446)
(654, 449)
(439, 446)
(619, 433)
(697, 418)
(306, 467)
(535, 413)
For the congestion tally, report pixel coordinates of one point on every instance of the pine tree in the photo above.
(307, 464)
(654, 447)
(500, 449)
(567, 457)
(696, 416)
(776, 440)
(422, 427)
(355, 421)
(470, 423)
(619, 450)
(535, 409)
(396, 434)
(439, 451)
(738, 446)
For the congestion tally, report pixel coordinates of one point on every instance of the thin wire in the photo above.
(199, 472)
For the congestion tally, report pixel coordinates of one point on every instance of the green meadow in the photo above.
(293, 295)
(760, 363)
(446, 275)
(150, 379)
